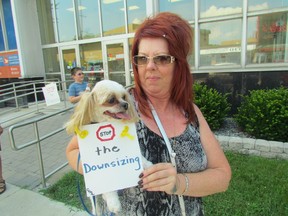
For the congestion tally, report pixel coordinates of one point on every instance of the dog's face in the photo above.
(112, 102)
(108, 101)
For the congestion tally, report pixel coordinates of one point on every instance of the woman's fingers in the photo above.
(159, 177)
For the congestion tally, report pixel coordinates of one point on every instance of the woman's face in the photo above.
(155, 79)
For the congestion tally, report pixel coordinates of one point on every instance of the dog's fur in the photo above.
(108, 101)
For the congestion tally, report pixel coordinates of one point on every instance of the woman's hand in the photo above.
(160, 177)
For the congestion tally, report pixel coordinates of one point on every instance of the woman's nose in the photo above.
(150, 63)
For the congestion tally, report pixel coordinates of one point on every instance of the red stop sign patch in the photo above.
(105, 133)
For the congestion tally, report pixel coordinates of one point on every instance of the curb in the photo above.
(256, 147)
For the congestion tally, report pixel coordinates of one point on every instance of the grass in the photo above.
(259, 186)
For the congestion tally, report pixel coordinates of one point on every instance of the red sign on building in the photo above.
(9, 65)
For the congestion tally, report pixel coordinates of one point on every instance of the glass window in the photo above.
(257, 5)
(51, 60)
(88, 19)
(213, 8)
(113, 17)
(136, 11)
(65, 20)
(185, 8)
(9, 24)
(191, 58)
(2, 47)
(130, 41)
(46, 21)
(220, 43)
(267, 38)
(92, 61)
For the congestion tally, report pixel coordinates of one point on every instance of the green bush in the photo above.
(264, 114)
(212, 104)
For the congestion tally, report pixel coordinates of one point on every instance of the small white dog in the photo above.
(108, 101)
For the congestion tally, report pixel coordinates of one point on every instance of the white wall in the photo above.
(28, 38)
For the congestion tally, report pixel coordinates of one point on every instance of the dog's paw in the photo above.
(112, 201)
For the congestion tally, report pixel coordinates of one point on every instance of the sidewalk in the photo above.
(21, 169)
(17, 201)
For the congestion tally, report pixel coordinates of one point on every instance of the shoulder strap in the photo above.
(170, 150)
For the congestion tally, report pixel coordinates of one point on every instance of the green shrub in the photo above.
(264, 114)
(212, 104)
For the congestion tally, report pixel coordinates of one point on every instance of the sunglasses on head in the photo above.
(158, 59)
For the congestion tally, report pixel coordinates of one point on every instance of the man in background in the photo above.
(78, 86)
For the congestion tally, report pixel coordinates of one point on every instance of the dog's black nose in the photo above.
(125, 105)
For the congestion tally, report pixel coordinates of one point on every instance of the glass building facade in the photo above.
(239, 45)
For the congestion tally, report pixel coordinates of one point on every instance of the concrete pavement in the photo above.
(19, 201)
(21, 169)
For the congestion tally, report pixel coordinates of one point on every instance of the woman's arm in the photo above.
(72, 152)
(216, 178)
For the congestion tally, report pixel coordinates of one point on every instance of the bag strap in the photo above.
(172, 154)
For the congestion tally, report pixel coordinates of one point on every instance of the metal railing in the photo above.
(37, 141)
(18, 92)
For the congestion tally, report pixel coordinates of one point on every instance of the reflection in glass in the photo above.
(116, 64)
(88, 19)
(9, 24)
(267, 38)
(215, 8)
(91, 61)
(51, 60)
(53, 77)
(69, 61)
(2, 47)
(220, 43)
(113, 17)
(130, 41)
(191, 57)
(46, 20)
(184, 8)
(258, 5)
(136, 11)
(65, 20)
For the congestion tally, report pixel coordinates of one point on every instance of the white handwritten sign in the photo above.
(110, 156)
(51, 94)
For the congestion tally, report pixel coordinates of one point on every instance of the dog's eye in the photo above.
(124, 97)
(111, 100)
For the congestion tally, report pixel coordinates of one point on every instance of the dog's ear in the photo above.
(82, 114)
(131, 109)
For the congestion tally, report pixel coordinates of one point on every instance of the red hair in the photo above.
(178, 34)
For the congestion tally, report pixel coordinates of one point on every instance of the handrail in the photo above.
(38, 141)
(16, 91)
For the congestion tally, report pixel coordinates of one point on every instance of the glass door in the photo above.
(116, 61)
(69, 56)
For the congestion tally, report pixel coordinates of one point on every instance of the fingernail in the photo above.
(141, 175)
(140, 183)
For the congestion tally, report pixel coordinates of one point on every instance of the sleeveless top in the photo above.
(190, 157)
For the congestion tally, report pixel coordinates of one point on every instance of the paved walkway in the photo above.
(21, 169)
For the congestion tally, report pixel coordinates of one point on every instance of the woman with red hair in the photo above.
(188, 162)
(163, 83)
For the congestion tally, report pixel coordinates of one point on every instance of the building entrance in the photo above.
(116, 61)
